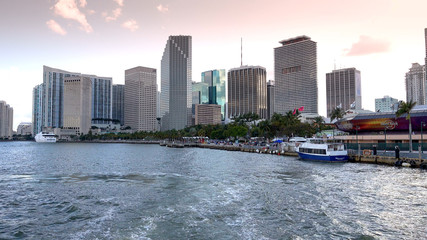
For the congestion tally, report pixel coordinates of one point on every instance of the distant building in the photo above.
(24, 128)
(119, 103)
(216, 79)
(141, 99)
(343, 89)
(270, 99)
(6, 120)
(208, 114)
(176, 93)
(77, 104)
(101, 100)
(415, 82)
(425, 37)
(386, 104)
(295, 71)
(200, 90)
(37, 115)
(247, 91)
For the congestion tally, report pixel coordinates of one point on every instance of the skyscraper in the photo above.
(176, 94)
(53, 96)
(216, 88)
(247, 91)
(6, 120)
(141, 99)
(77, 104)
(343, 89)
(101, 99)
(295, 71)
(119, 103)
(37, 109)
(270, 99)
(415, 81)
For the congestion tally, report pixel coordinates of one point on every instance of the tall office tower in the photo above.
(37, 115)
(415, 84)
(53, 96)
(141, 99)
(77, 104)
(270, 99)
(6, 120)
(247, 91)
(216, 88)
(343, 89)
(295, 71)
(386, 104)
(201, 90)
(119, 103)
(101, 99)
(176, 94)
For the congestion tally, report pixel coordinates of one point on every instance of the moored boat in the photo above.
(323, 150)
(45, 137)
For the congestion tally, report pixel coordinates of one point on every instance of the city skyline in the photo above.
(380, 38)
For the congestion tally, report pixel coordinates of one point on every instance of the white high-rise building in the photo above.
(77, 104)
(140, 99)
(295, 71)
(176, 79)
(6, 120)
(38, 104)
(415, 81)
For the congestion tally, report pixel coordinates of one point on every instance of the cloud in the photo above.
(119, 2)
(83, 3)
(68, 9)
(132, 25)
(162, 9)
(368, 45)
(54, 26)
(116, 13)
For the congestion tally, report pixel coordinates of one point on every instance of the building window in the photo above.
(291, 69)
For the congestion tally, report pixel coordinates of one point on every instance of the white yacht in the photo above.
(323, 150)
(45, 137)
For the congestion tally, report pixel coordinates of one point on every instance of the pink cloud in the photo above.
(119, 2)
(132, 25)
(162, 9)
(116, 13)
(68, 9)
(368, 45)
(54, 26)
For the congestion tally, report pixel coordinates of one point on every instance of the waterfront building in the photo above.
(37, 111)
(295, 71)
(416, 84)
(101, 100)
(270, 99)
(53, 96)
(176, 89)
(77, 104)
(140, 99)
(6, 120)
(118, 104)
(386, 104)
(215, 79)
(208, 114)
(247, 91)
(24, 128)
(343, 89)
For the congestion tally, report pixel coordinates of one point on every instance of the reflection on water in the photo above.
(120, 191)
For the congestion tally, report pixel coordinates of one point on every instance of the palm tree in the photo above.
(405, 108)
(337, 113)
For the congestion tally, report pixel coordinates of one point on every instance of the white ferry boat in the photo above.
(323, 150)
(45, 137)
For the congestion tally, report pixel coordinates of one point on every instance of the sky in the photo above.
(381, 38)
